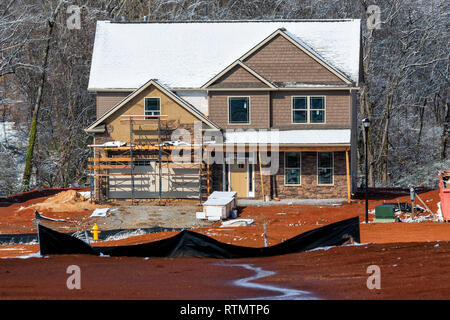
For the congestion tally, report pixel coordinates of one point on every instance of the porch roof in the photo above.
(322, 137)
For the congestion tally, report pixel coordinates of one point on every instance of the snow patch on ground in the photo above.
(284, 293)
(125, 235)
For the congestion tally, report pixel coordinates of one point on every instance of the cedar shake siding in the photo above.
(107, 100)
(309, 188)
(259, 109)
(238, 77)
(279, 60)
(337, 110)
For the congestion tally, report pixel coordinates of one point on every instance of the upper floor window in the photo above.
(238, 110)
(308, 109)
(152, 107)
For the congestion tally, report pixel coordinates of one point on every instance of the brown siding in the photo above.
(259, 108)
(238, 75)
(107, 100)
(337, 109)
(309, 189)
(281, 61)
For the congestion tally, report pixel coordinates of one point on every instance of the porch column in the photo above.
(348, 177)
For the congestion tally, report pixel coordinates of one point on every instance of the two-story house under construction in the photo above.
(263, 108)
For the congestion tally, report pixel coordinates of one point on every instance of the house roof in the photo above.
(165, 90)
(189, 54)
(289, 137)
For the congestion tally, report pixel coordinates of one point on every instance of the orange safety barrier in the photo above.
(444, 193)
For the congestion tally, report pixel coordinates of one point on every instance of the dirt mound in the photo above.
(66, 201)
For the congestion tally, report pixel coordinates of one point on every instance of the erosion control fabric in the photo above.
(188, 243)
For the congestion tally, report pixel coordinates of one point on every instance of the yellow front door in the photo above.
(238, 179)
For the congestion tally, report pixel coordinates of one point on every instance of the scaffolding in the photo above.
(148, 147)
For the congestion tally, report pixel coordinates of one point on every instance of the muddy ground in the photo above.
(413, 258)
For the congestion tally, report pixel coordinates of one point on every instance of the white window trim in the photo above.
(284, 170)
(145, 105)
(308, 110)
(332, 168)
(249, 111)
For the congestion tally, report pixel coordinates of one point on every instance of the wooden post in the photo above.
(159, 159)
(260, 174)
(412, 194)
(207, 175)
(131, 160)
(348, 177)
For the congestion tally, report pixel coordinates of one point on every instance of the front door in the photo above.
(241, 178)
(238, 178)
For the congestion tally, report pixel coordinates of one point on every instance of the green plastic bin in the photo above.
(384, 213)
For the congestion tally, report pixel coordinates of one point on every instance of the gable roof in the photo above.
(92, 128)
(244, 66)
(302, 46)
(126, 55)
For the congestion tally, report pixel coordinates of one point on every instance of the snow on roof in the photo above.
(288, 137)
(187, 55)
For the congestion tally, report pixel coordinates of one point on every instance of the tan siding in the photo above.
(259, 108)
(337, 109)
(107, 100)
(177, 117)
(281, 61)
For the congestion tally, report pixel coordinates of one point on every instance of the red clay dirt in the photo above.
(413, 263)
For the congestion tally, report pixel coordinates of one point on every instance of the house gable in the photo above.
(179, 112)
(238, 75)
(284, 59)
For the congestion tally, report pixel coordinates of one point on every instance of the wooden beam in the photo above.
(100, 167)
(349, 196)
(149, 147)
(314, 149)
(110, 159)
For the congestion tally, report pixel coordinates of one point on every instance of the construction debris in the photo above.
(237, 223)
(66, 201)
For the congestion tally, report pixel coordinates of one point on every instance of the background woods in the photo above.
(45, 62)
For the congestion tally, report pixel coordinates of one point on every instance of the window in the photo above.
(317, 109)
(292, 165)
(299, 110)
(308, 109)
(152, 107)
(325, 168)
(238, 110)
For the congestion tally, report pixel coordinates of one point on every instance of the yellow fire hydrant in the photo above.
(95, 232)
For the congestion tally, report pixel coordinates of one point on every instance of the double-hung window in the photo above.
(292, 168)
(325, 168)
(300, 109)
(317, 109)
(308, 109)
(239, 110)
(152, 107)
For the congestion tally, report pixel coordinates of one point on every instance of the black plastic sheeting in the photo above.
(188, 243)
(33, 237)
